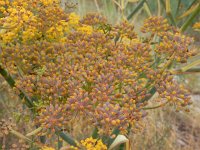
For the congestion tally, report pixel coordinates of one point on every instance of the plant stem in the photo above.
(115, 132)
(11, 82)
(178, 6)
(169, 12)
(187, 67)
(154, 107)
(189, 71)
(66, 137)
(147, 9)
(159, 8)
(140, 4)
(95, 133)
(190, 19)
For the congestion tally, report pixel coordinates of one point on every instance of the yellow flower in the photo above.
(2, 3)
(30, 33)
(93, 144)
(85, 29)
(8, 37)
(73, 19)
(49, 2)
(196, 25)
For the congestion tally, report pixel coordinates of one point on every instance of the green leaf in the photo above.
(95, 133)
(111, 140)
(66, 137)
(21, 136)
(133, 1)
(188, 12)
(11, 82)
(147, 9)
(191, 65)
(169, 12)
(188, 22)
(34, 132)
(137, 8)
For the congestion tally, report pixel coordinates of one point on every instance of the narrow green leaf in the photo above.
(188, 22)
(132, 1)
(11, 82)
(187, 67)
(34, 132)
(191, 4)
(60, 143)
(95, 133)
(189, 71)
(116, 133)
(7, 77)
(66, 137)
(159, 7)
(169, 12)
(137, 8)
(147, 9)
(188, 12)
(21, 136)
(178, 7)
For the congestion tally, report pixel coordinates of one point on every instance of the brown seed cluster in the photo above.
(124, 29)
(110, 114)
(6, 126)
(156, 25)
(18, 145)
(174, 93)
(51, 117)
(94, 19)
(175, 43)
(76, 69)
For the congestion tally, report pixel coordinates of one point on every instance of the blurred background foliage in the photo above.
(165, 129)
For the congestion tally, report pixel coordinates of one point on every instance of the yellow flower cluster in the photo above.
(18, 25)
(56, 33)
(197, 26)
(3, 4)
(85, 29)
(23, 24)
(93, 144)
(50, 2)
(73, 19)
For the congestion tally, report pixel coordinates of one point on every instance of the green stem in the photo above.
(169, 12)
(189, 71)
(34, 132)
(178, 6)
(195, 63)
(190, 19)
(159, 8)
(147, 9)
(95, 133)
(140, 4)
(21, 136)
(154, 107)
(7, 77)
(60, 143)
(66, 137)
(11, 82)
(111, 140)
(192, 3)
